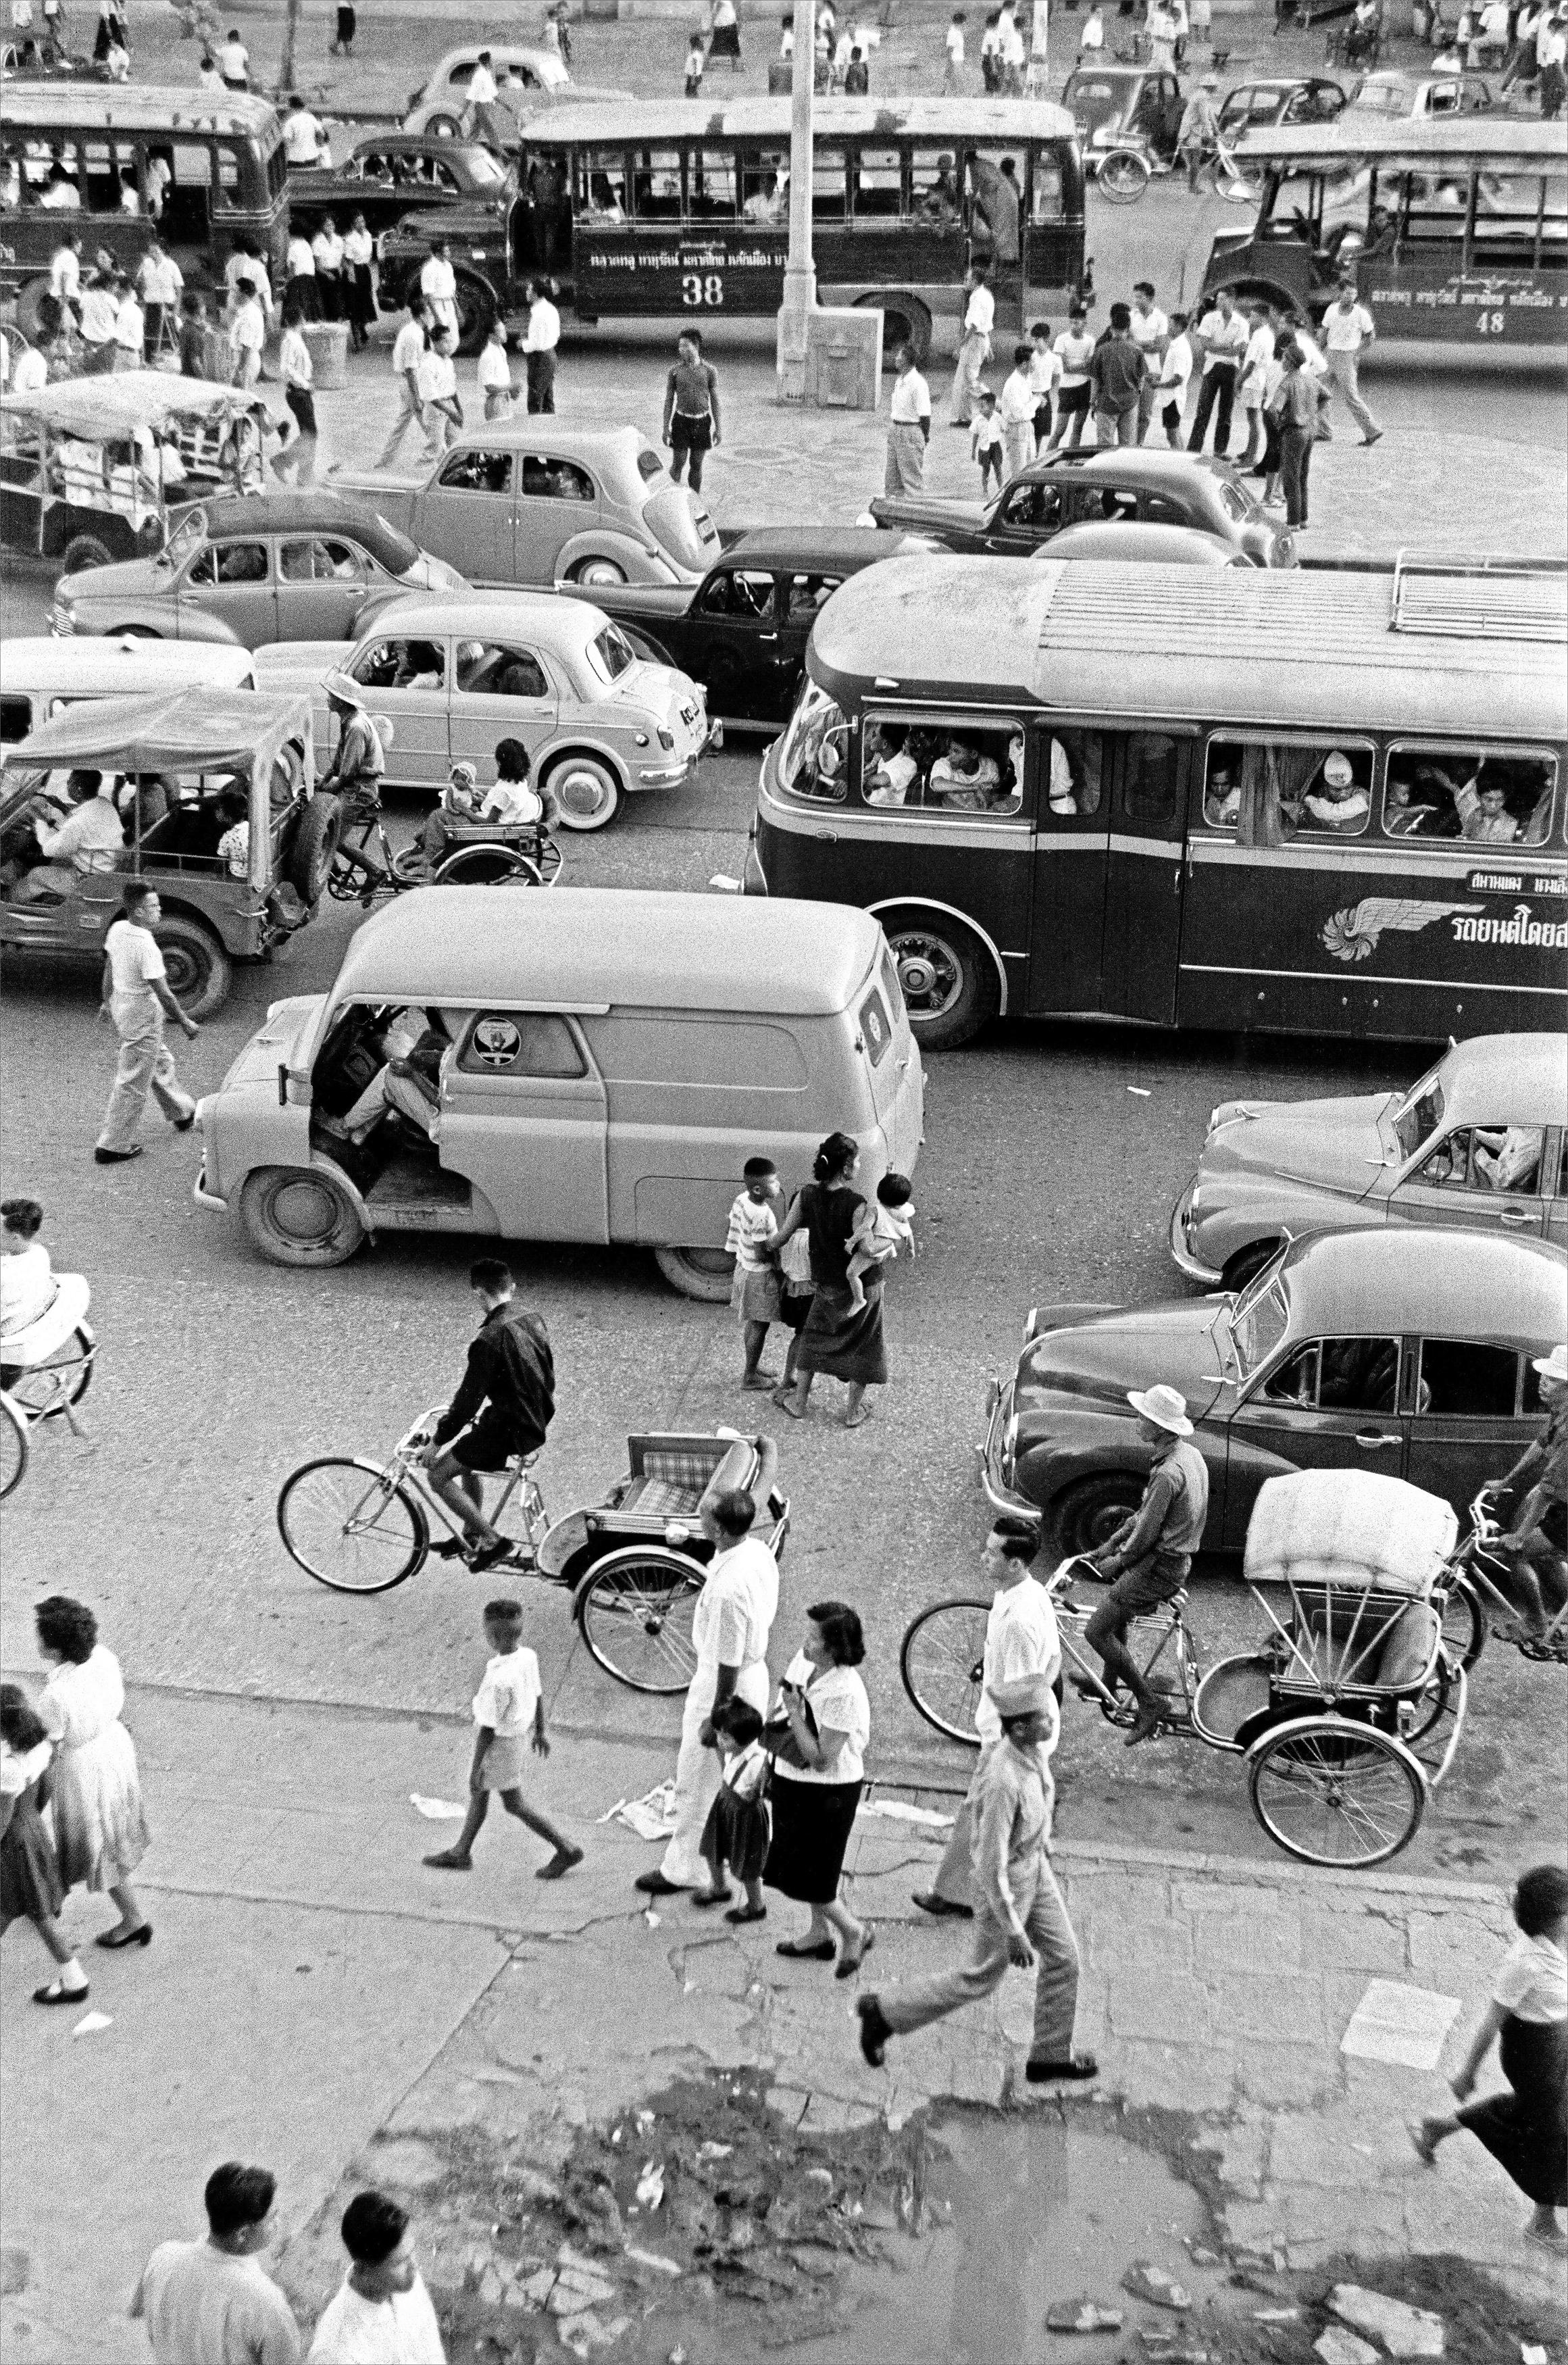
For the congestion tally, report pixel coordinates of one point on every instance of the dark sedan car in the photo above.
(1094, 487)
(1407, 1353)
(743, 632)
(1111, 105)
(386, 178)
(1280, 98)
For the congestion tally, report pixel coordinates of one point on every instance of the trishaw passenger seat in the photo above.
(738, 1469)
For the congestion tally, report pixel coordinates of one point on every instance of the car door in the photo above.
(321, 583)
(524, 1120)
(231, 579)
(403, 677)
(736, 642)
(1488, 1175)
(558, 500)
(1026, 515)
(1557, 1204)
(469, 516)
(1463, 1424)
(500, 689)
(1325, 1404)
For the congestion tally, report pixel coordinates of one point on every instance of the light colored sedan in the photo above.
(438, 106)
(1481, 1142)
(452, 678)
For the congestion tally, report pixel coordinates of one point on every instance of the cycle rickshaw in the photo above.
(478, 853)
(1350, 1712)
(634, 1562)
(46, 1369)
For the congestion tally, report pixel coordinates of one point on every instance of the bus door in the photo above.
(993, 189)
(1145, 872)
(1072, 843)
(1053, 222)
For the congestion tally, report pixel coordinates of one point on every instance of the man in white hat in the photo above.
(1020, 1639)
(356, 768)
(1149, 1556)
(1538, 1534)
(1020, 1916)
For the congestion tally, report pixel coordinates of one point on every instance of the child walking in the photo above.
(986, 439)
(875, 1239)
(508, 1703)
(755, 1295)
(737, 1833)
(696, 60)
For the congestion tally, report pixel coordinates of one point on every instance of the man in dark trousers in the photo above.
(503, 1408)
(1149, 1556)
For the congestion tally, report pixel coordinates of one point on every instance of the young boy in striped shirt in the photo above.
(756, 1295)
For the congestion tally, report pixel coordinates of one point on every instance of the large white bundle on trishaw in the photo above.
(1320, 1528)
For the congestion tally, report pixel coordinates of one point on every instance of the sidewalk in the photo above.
(316, 1999)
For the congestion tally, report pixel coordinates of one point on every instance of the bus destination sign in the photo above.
(1507, 305)
(644, 270)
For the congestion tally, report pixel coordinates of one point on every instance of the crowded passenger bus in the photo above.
(202, 174)
(680, 210)
(1455, 228)
(1311, 802)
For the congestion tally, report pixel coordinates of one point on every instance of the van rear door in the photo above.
(892, 1062)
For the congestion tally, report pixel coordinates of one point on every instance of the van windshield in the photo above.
(813, 759)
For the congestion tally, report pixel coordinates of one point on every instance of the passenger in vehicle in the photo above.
(1222, 799)
(89, 838)
(458, 800)
(1358, 1375)
(1402, 816)
(1481, 805)
(143, 801)
(419, 666)
(1335, 802)
(233, 848)
(415, 1045)
(1508, 1158)
(889, 769)
(963, 780)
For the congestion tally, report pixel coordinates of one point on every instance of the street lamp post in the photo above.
(799, 272)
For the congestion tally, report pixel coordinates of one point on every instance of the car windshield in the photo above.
(612, 653)
(187, 537)
(681, 527)
(1259, 1320)
(1420, 1113)
(484, 171)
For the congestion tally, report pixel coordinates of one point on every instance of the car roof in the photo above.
(1492, 142)
(492, 617)
(1134, 539)
(1437, 1282)
(65, 106)
(828, 553)
(1158, 470)
(529, 51)
(416, 143)
(312, 512)
(1512, 1079)
(959, 123)
(599, 947)
(99, 665)
(557, 440)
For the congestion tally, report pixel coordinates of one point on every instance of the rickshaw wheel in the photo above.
(13, 1449)
(940, 1660)
(1123, 176)
(1465, 1627)
(1333, 1793)
(488, 866)
(45, 1390)
(634, 1608)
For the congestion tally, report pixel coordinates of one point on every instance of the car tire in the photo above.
(587, 791)
(1246, 1264)
(299, 1216)
(705, 1273)
(199, 972)
(949, 981)
(315, 843)
(905, 322)
(1086, 1516)
(83, 551)
(132, 632)
(442, 127)
(590, 571)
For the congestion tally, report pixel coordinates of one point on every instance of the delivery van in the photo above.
(39, 677)
(595, 1065)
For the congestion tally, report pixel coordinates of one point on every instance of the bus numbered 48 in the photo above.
(1312, 802)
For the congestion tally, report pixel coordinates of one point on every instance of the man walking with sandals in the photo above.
(1019, 1917)
(136, 997)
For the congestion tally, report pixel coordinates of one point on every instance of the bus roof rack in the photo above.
(1484, 599)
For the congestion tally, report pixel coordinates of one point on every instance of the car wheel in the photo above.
(706, 1273)
(597, 570)
(85, 551)
(587, 791)
(1246, 1264)
(950, 981)
(301, 1216)
(1089, 1514)
(199, 972)
(442, 127)
(315, 843)
(132, 632)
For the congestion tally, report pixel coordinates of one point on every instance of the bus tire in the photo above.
(1246, 1264)
(905, 322)
(476, 310)
(950, 981)
(83, 551)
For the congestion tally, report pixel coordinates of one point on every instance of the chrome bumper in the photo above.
(1182, 1256)
(203, 1196)
(998, 1494)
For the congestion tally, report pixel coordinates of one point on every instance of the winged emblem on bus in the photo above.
(1352, 933)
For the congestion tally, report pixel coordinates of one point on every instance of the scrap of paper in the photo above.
(652, 1818)
(1402, 2024)
(900, 1812)
(91, 2022)
(436, 1811)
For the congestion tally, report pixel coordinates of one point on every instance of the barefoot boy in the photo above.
(507, 1704)
(756, 1296)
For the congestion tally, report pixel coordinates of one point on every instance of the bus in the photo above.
(120, 162)
(672, 210)
(1455, 226)
(1311, 801)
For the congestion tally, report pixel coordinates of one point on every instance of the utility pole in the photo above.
(799, 272)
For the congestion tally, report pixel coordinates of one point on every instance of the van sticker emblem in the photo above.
(496, 1042)
(1353, 933)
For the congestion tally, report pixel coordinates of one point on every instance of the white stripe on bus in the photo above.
(1328, 977)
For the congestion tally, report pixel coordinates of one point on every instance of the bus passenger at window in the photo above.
(1060, 795)
(889, 768)
(1482, 809)
(940, 202)
(963, 780)
(1402, 817)
(1335, 802)
(1222, 799)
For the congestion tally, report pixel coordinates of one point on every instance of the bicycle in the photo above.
(45, 1371)
(365, 865)
(1474, 1587)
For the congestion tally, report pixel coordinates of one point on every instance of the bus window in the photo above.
(1072, 777)
(1508, 213)
(1294, 202)
(108, 183)
(878, 181)
(934, 185)
(828, 184)
(764, 185)
(602, 185)
(815, 758)
(955, 764)
(231, 187)
(188, 200)
(710, 184)
(1454, 792)
(1269, 792)
(1044, 188)
(1150, 782)
(655, 183)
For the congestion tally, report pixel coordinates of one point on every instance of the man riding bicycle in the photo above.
(503, 1408)
(356, 768)
(1538, 1482)
(1150, 1553)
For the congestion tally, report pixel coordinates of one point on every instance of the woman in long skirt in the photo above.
(818, 1776)
(841, 1338)
(1525, 2129)
(100, 1831)
(30, 1887)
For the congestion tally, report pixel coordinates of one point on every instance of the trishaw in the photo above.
(1349, 1712)
(634, 1562)
(92, 468)
(190, 764)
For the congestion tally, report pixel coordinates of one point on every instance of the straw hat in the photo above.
(343, 690)
(1022, 1695)
(1553, 1366)
(1167, 1407)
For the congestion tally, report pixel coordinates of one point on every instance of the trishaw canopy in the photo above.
(1353, 1529)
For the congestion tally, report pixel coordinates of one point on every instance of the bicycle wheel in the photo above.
(351, 1525)
(354, 867)
(1123, 176)
(44, 1390)
(13, 1449)
(1429, 1726)
(635, 1610)
(941, 1661)
(1464, 1624)
(1337, 1794)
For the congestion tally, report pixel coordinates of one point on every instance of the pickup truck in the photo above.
(535, 501)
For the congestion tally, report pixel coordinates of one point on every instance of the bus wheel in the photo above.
(949, 983)
(475, 313)
(905, 322)
(30, 313)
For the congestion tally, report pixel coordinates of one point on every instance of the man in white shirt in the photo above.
(136, 998)
(161, 282)
(382, 2315)
(1150, 335)
(234, 61)
(908, 428)
(438, 286)
(479, 118)
(299, 278)
(247, 335)
(540, 339)
(1092, 40)
(205, 2303)
(100, 313)
(1221, 340)
(301, 137)
(1347, 333)
(730, 1627)
(327, 254)
(407, 353)
(63, 195)
(974, 348)
(65, 274)
(130, 326)
(436, 381)
(88, 839)
(27, 1278)
(1175, 376)
(31, 373)
(1020, 1639)
(1255, 366)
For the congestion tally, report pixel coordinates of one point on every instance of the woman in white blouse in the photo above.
(99, 1828)
(818, 1776)
(1524, 2129)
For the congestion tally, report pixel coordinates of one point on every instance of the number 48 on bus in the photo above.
(702, 290)
(1489, 324)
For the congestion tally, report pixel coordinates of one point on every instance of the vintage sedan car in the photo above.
(437, 107)
(1404, 1352)
(1280, 98)
(743, 632)
(1481, 1141)
(282, 566)
(1094, 488)
(537, 500)
(398, 174)
(453, 676)
(1113, 105)
(1390, 93)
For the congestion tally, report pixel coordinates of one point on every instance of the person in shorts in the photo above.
(1149, 1556)
(693, 426)
(508, 1717)
(757, 1295)
(503, 1408)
